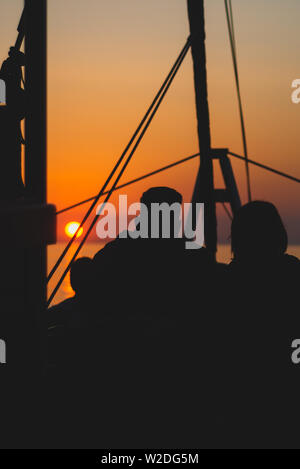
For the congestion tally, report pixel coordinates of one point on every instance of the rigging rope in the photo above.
(230, 23)
(227, 211)
(113, 188)
(101, 193)
(268, 168)
(141, 178)
(172, 165)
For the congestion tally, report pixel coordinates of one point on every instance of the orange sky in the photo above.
(107, 59)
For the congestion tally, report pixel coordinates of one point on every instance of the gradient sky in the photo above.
(107, 59)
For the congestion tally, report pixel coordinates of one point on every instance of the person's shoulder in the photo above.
(114, 251)
(104, 252)
(292, 259)
(291, 263)
(59, 314)
(204, 256)
(121, 241)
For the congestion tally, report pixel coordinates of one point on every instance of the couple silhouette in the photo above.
(168, 348)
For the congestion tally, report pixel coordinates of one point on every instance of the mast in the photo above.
(204, 187)
(36, 86)
(30, 224)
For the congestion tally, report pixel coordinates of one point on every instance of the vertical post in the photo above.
(36, 99)
(204, 188)
(29, 226)
(36, 153)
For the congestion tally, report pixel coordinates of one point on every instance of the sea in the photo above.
(90, 249)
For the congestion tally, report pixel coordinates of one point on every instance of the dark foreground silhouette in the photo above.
(11, 115)
(260, 391)
(171, 350)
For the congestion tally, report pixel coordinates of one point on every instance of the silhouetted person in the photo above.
(74, 312)
(153, 287)
(259, 239)
(259, 385)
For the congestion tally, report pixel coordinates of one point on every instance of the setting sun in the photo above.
(71, 229)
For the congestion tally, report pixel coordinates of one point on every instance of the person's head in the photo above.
(81, 275)
(161, 195)
(258, 232)
(163, 206)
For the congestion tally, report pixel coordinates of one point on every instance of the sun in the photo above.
(71, 229)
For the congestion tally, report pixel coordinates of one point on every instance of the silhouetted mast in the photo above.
(204, 188)
(21, 31)
(36, 86)
(30, 224)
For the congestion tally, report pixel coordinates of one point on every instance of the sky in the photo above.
(107, 59)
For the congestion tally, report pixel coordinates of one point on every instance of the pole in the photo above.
(36, 85)
(30, 225)
(36, 158)
(204, 187)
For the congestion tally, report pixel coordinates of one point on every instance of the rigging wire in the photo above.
(129, 183)
(184, 160)
(227, 211)
(172, 165)
(100, 194)
(232, 27)
(99, 211)
(267, 168)
(231, 30)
